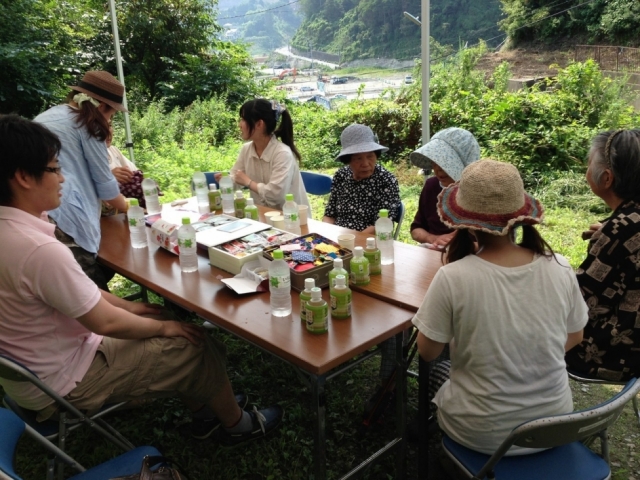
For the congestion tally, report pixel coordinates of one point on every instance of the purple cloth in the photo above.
(427, 215)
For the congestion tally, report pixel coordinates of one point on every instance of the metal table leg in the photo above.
(318, 399)
(423, 419)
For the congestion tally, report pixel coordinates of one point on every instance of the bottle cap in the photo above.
(358, 252)
(278, 254)
(288, 197)
(224, 174)
(371, 242)
(249, 202)
(133, 202)
(186, 221)
(316, 293)
(337, 263)
(239, 194)
(309, 283)
(340, 281)
(383, 213)
(212, 187)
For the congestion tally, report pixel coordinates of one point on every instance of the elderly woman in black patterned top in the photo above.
(362, 187)
(609, 277)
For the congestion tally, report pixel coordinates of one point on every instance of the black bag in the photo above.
(163, 473)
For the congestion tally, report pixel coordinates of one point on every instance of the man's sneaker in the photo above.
(202, 429)
(263, 422)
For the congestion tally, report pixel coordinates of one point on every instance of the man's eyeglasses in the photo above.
(56, 170)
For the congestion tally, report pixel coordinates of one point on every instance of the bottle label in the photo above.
(374, 262)
(252, 214)
(303, 308)
(136, 222)
(186, 242)
(227, 190)
(341, 305)
(317, 318)
(384, 236)
(291, 217)
(360, 273)
(280, 281)
(198, 185)
(149, 192)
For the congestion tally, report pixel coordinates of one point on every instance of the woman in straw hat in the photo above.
(362, 187)
(608, 277)
(82, 125)
(448, 152)
(509, 311)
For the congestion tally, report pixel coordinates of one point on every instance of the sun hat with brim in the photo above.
(452, 149)
(358, 138)
(102, 86)
(489, 197)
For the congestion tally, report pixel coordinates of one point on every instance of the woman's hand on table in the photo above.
(442, 240)
(587, 234)
(122, 174)
(241, 178)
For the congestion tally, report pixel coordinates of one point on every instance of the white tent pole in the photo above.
(426, 71)
(116, 47)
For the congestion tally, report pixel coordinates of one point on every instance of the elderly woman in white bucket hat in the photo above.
(362, 187)
(82, 125)
(509, 311)
(448, 152)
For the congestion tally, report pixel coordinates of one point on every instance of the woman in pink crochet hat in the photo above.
(508, 310)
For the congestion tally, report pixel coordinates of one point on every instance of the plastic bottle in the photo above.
(202, 194)
(251, 211)
(215, 200)
(280, 285)
(372, 253)
(137, 228)
(150, 192)
(384, 235)
(359, 267)
(317, 313)
(187, 247)
(239, 203)
(338, 269)
(341, 298)
(226, 191)
(291, 215)
(305, 296)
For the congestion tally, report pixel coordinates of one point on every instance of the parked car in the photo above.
(339, 96)
(408, 79)
(306, 89)
(338, 80)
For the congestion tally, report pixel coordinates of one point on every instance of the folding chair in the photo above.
(13, 428)
(578, 378)
(567, 457)
(396, 231)
(69, 417)
(316, 183)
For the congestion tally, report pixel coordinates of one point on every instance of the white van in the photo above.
(408, 79)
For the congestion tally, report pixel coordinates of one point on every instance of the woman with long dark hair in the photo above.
(82, 125)
(508, 310)
(268, 167)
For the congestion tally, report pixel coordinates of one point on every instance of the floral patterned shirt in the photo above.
(355, 204)
(609, 279)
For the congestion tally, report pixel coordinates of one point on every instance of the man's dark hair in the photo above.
(26, 146)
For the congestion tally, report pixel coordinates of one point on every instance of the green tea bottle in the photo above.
(337, 270)
(317, 313)
(215, 199)
(251, 211)
(305, 296)
(341, 298)
(239, 203)
(359, 267)
(372, 253)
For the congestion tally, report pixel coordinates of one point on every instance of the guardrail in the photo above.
(617, 59)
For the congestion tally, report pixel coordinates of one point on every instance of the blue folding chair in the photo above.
(12, 429)
(566, 458)
(316, 183)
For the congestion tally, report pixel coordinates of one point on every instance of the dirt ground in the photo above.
(527, 62)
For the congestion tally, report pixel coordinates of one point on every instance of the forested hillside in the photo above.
(378, 28)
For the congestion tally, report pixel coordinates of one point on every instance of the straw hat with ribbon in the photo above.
(102, 86)
(489, 197)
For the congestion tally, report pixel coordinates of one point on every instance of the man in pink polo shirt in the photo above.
(88, 345)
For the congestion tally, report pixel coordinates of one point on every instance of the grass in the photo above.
(287, 454)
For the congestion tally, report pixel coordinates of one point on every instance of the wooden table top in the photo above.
(248, 316)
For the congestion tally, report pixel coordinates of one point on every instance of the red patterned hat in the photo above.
(489, 197)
